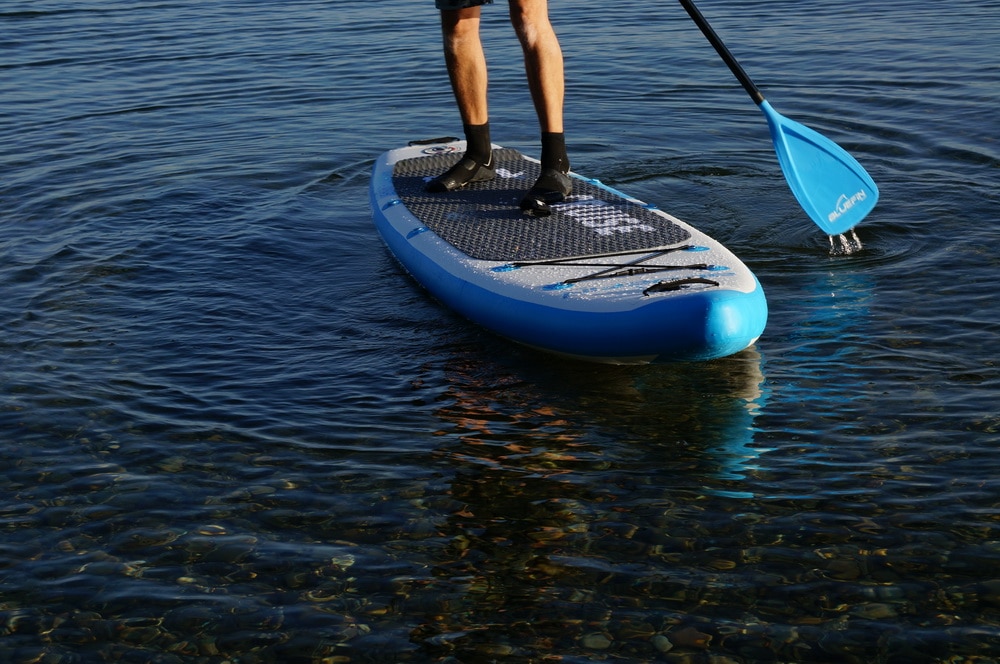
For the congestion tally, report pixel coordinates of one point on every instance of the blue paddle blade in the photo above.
(830, 185)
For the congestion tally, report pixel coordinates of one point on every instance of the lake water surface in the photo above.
(233, 430)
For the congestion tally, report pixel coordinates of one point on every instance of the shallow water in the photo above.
(235, 431)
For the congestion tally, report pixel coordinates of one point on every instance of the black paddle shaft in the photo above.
(727, 56)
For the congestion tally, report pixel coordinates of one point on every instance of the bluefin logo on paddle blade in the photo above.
(845, 203)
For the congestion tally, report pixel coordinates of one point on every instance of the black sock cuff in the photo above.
(554, 151)
(478, 145)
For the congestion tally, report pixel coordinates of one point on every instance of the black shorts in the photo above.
(460, 4)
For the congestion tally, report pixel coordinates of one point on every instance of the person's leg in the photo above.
(466, 62)
(543, 63)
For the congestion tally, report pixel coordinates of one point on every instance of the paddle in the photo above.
(830, 185)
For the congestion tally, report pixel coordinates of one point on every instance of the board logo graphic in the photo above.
(601, 217)
(440, 149)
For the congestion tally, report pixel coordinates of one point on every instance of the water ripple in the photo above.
(236, 429)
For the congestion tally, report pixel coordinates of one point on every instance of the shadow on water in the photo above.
(566, 477)
(613, 413)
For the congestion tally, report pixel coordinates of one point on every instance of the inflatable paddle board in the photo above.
(605, 278)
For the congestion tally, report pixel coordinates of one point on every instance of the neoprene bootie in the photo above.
(465, 171)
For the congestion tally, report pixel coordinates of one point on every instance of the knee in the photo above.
(530, 23)
(457, 26)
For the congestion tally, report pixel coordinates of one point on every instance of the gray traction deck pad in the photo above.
(483, 220)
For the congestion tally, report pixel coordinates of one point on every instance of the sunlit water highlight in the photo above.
(842, 245)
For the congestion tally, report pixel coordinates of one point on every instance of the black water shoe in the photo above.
(551, 187)
(465, 171)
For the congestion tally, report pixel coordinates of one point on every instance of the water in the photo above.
(233, 430)
(845, 243)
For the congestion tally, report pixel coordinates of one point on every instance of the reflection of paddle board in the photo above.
(605, 278)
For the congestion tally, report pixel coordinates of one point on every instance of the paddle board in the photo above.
(605, 278)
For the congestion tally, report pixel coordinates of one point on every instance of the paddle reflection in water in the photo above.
(830, 321)
(565, 510)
